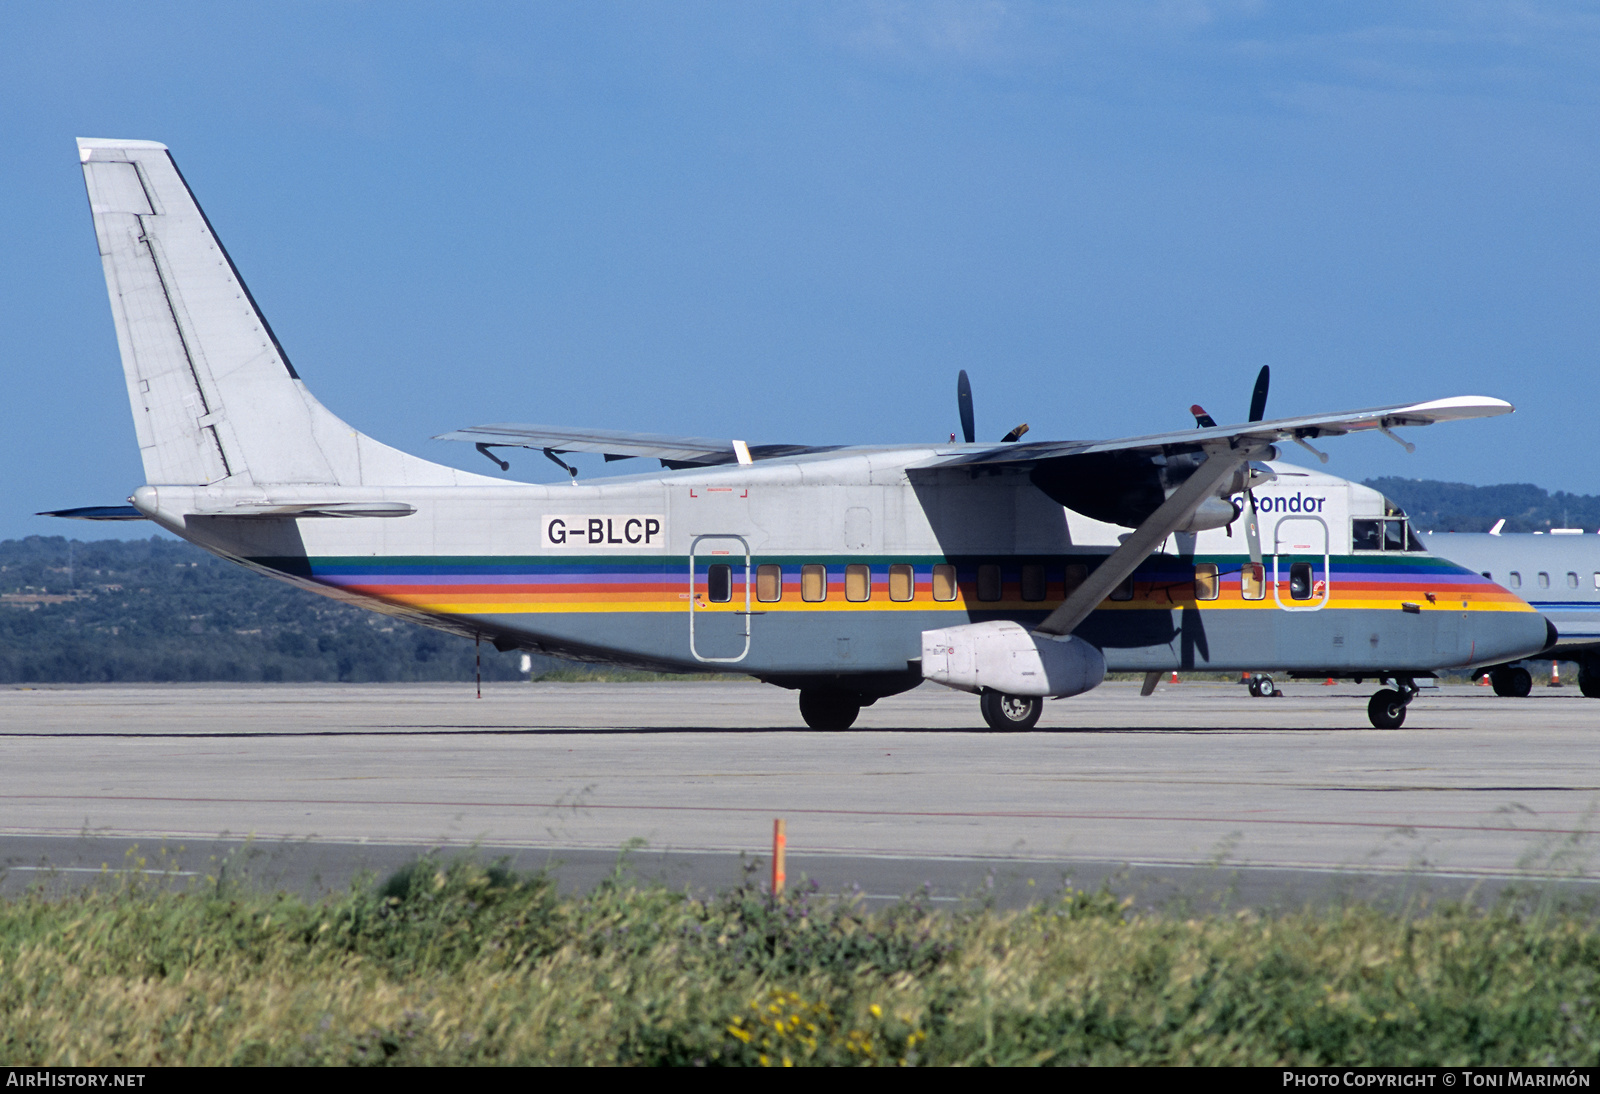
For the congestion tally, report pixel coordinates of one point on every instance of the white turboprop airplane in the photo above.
(1014, 571)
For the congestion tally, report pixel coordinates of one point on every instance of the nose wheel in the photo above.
(1387, 709)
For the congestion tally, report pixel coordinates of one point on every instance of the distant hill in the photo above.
(1457, 507)
(159, 610)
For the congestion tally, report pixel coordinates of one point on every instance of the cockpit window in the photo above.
(1387, 534)
(1394, 535)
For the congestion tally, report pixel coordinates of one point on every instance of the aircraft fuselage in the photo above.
(831, 567)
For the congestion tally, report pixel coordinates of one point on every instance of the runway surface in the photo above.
(1197, 787)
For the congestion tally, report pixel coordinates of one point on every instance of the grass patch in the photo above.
(460, 963)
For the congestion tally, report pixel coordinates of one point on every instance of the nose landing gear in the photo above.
(1387, 709)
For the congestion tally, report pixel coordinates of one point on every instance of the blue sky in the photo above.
(796, 222)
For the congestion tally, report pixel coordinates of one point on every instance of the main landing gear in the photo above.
(1387, 709)
(1589, 677)
(827, 709)
(1513, 682)
(1010, 713)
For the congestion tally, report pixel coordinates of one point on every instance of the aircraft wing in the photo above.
(620, 445)
(1156, 484)
(1309, 427)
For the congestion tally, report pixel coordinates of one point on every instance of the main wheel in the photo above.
(1010, 712)
(1386, 710)
(1519, 683)
(1500, 680)
(829, 709)
(1589, 678)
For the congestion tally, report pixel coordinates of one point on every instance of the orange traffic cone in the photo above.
(1483, 681)
(1328, 683)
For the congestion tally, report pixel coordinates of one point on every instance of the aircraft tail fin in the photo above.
(214, 397)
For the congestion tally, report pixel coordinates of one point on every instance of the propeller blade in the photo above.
(964, 401)
(1202, 420)
(1258, 397)
(1016, 433)
(1252, 527)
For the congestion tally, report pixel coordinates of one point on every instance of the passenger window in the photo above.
(944, 582)
(1033, 583)
(1516, 580)
(1544, 580)
(1490, 576)
(902, 582)
(1300, 581)
(1253, 580)
(1125, 590)
(1205, 581)
(1572, 581)
(1077, 573)
(988, 582)
(858, 582)
(813, 582)
(769, 583)
(719, 583)
(1366, 535)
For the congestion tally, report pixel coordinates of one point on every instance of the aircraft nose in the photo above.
(1511, 636)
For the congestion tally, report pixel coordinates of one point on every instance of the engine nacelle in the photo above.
(1006, 656)
(1210, 513)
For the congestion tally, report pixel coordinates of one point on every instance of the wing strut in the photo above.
(1170, 516)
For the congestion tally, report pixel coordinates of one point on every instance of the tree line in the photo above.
(160, 610)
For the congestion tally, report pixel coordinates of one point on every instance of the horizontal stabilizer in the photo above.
(97, 512)
(621, 445)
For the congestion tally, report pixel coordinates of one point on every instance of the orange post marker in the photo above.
(780, 845)
(1174, 677)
